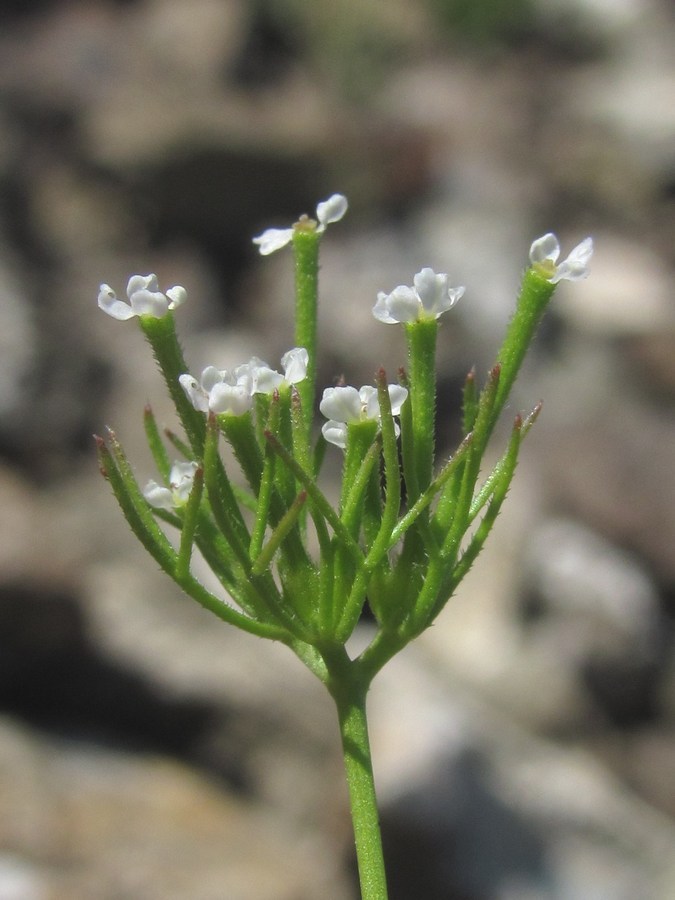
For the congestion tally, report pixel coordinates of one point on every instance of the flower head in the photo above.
(145, 299)
(225, 391)
(219, 390)
(429, 298)
(328, 211)
(544, 254)
(176, 495)
(266, 380)
(342, 405)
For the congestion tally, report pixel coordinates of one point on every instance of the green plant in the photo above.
(404, 558)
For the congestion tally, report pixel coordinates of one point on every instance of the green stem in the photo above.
(349, 694)
(161, 335)
(535, 294)
(306, 252)
(421, 337)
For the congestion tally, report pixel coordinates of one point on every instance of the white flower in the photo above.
(225, 391)
(198, 392)
(266, 380)
(228, 397)
(544, 254)
(145, 299)
(429, 298)
(176, 495)
(342, 405)
(328, 211)
(219, 390)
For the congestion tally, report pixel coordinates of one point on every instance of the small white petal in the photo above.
(194, 392)
(181, 478)
(371, 404)
(211, 376)
(397, 396)
(149, 303)
(575, 267)
(341, 403)
(142, 283)
(294, 363)
(582, 252)
(370, 407)
(110, 304)
(182, 471)
(430, 288)
(258, 376)
(331, 210)
(235, 399)
(450, 299)
(402, 305)
(434, 293)
(381, 309)
(545, 249)
(248, 369)
(158, 496)
(335, 433)
(265, 380)
(177, 296)
(243, 378)
(273, 239)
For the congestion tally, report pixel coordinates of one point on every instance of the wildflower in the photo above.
(343, 405)
(328, 211)
(545, 251)
(145, 299)
(429, 298)
(219, 390)
(176, 495)
(266, 380)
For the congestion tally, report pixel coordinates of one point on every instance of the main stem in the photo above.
(351, 708)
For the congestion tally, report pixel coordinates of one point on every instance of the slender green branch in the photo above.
(280, 533)
(306, 251)
(190, 522)
(155, 443)
(535, 294)
(421, 337)
(161, 335)
(316, 495)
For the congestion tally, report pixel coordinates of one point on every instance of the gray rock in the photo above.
(87, 822)
(492, 810)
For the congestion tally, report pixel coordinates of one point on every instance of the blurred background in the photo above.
(525, 746)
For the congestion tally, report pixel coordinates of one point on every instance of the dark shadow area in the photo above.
(217, 198)
(454, 838)
(52, 677)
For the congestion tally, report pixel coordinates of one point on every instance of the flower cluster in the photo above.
(176, 495)
(429, 298)
(232, 391)
(343, 405)
(145, 299)
(544, 254)
(328, 211)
